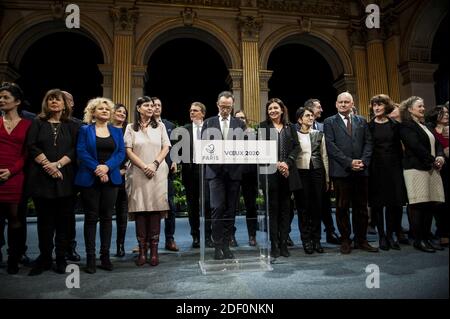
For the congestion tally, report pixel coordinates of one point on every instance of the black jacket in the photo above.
(417, 153)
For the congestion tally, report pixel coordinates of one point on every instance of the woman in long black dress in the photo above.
(386, 183)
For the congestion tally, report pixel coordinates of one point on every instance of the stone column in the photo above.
(264, 77)
(418, 80)
(124, 24)
(358, 54)
(377, 74)
(249, 32)
(235, 81)
(8, 73)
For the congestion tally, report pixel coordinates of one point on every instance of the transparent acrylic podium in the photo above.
(246, 256)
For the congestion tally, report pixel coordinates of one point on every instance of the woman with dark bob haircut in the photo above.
(386, 184)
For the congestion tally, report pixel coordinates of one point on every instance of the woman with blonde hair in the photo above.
(100, 150)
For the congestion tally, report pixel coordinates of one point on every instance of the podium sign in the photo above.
(235, 152)
(252, 250)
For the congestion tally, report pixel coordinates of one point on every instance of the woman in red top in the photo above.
(437, 119)
(13, 130)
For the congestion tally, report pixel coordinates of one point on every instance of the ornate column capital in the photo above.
(264, 77)
(138, 75)
(249, 27)
(391, 24)
(375, 35)
(417, 72)
(235, 78)
(124, 19)
(106, 70)
(357, 35)
(419, 54)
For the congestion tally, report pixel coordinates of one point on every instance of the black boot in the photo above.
(384, 243)
(284, 249)
(13, 265)
(308, 246)
(61, 265)
(90, 264)
(42, 264)
(105, 262)
(13, 250)
(120, 250)
(72, 254)
(274, 250)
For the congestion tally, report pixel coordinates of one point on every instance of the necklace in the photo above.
(55, 129)
(10, 124)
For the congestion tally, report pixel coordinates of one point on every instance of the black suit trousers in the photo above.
(352, 191)
(223, 194)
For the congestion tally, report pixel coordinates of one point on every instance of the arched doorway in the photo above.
(439, 55)
(301, 73)
(182, 71)
(64, 60)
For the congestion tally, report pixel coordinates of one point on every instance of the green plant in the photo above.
(179, 197)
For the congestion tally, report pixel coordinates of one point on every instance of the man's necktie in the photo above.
(199, 133)
(349, 124)
(225, 128)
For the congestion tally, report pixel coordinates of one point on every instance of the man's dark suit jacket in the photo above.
(169, 128)
(343, 148)
(417, 147)
(187, 168)
(234, 170)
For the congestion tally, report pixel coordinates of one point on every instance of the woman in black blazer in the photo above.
(422, 162)
(285, 179)
(51, 143)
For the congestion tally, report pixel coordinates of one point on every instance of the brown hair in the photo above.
(45, 113)
(385, 100)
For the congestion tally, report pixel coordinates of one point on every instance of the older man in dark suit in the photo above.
(349, 148)
(224, 179)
